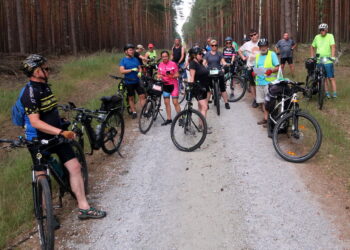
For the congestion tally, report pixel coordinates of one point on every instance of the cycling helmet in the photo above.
(228, 39)
(195, 51)
(263, 42)
(129, 46)
(31, 63)
(323, 26)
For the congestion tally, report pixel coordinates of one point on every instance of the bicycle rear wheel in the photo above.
(146, 117)
(236, 89)
(112, 132)
(188, 130)
(321, 92)
(79, 153)
(44, 213)
(297, 137)
(217, 96)
(182, 92)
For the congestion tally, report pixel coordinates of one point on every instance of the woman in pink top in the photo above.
(168, 72)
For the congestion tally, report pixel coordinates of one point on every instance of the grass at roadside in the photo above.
(16, 209)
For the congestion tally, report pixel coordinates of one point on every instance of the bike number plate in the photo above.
(157, 87)
(214, 72)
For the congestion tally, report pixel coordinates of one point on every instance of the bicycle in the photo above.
(215, 75)
(316, 77)
(296, 135)
(182, 85)
(109, 131)
(151, 108)
(189, 127)
(42, 186)
(235, 86)
(122, 92)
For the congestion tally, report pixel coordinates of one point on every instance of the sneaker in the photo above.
(335, 95)
(328, 95)
(134, 115)
(210, 101)
(167, 122)
(254, 104)
(262, 122)
(227, 105)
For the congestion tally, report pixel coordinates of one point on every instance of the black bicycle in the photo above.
(235, 84)
(214, 75)
(122, 93)
(151, 108)
(189, 127)
(109, 124)
(42, 186)
(182, 85)
(316, 77)
(296, 135)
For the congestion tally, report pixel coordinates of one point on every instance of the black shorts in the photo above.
(132, 88)
(64, 152)
(287, 59)
(200, 92)
(250, 77)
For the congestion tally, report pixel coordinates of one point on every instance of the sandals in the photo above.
(91, 213)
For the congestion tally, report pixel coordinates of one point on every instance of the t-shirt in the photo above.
(250, 49)
(130, 63)
(177, 55)
(323, 45)
(261, 79)
(285, 47)
(202, 73)
(152, 55)
(169, 66)
(228, 53)
(38, 98)
(137, 55)
(214, 61)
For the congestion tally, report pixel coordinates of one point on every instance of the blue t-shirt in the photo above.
(130, 63)
(275, 62)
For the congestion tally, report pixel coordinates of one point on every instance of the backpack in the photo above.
(18, 112)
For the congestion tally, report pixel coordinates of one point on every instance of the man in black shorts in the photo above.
(42, 121)
(284, 48)
(131, 68)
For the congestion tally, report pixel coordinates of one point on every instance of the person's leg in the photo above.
(176, 104)
(132, 103)
(167, 107)
(131, 93)
(142, 98)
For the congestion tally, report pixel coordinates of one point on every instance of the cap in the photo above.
(150, 45)
(140, 46)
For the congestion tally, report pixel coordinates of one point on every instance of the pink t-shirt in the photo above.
(171, 67)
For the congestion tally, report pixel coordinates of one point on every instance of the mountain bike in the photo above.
(108, 133)
(296, 135)
(189, 127)
(316, 77)
(235, 85)
(151, 109)
(214, 75)
(122, 92)
(42, 186)
(182, 85)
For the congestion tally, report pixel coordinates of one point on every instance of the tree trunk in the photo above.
(336, 24)
(9, 26)
(72, 26)
(22, 44)
(287, 15)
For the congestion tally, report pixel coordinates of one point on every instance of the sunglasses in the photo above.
(253, 35)
(214, 45)
(228, 42)
(322, 29)
(46, 69)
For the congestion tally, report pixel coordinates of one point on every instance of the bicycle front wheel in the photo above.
(236, 89)
(112, 132)
(44, 213)
(146, 117)
(79, 153)
(321, 92)
(297, 137)
(188, 130)
(217, 97)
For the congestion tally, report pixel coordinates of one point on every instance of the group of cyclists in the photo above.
(44, 122)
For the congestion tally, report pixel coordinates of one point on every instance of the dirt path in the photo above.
(233, 193)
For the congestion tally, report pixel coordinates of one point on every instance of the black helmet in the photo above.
(31, 63)
(228, 39)
(195, 51)
(263, 42)
(129, 46)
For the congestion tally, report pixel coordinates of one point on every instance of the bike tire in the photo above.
(79, 153)
(321, 93)
(187, 122)
(217, 97)
(241, 87)
(147, 115)
(182, 92)
(44, 214)
(288, 156)
(112, 130)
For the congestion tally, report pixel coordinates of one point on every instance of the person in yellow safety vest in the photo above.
(265, 71)
(151, 53)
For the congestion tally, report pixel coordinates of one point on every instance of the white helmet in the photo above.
(323, 26)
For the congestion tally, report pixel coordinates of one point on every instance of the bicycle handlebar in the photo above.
(21, 142)
(121, 78)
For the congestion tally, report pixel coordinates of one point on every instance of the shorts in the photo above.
(250, 77)
(287, 59)
(171, 90)
(329, 67)
(261, 92)
(200, 92)
(64, 152)
(132, 88)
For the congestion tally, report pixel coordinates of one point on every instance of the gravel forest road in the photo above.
(232, 193)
